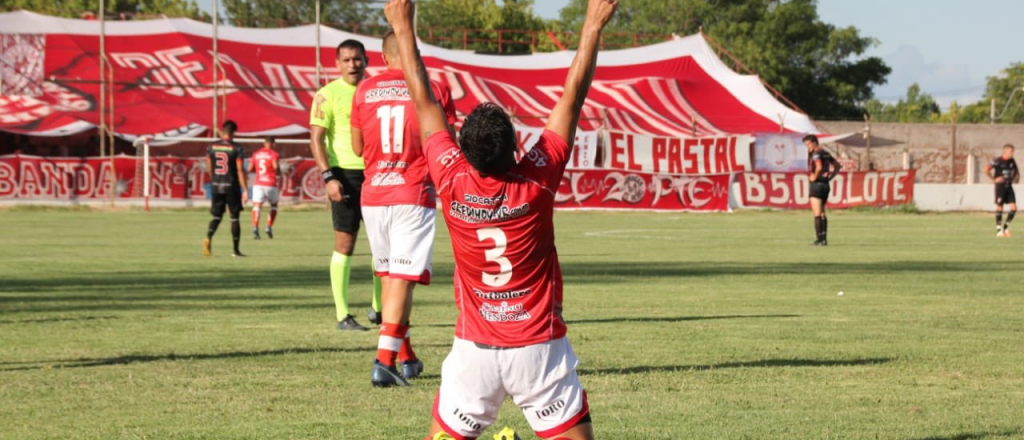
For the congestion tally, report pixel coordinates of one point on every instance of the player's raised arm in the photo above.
(429, 113)
(566, 114)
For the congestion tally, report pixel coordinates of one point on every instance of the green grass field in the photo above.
(722, 326)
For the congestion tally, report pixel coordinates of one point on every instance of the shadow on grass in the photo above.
(241, 288)
(766, 363)
(973, 435)
(614, 272)
(641, 319)
(58, 319)
(670, 318)
(144, 358)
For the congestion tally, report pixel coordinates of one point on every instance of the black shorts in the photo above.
(1005, 195)
(347, 213)
(820, 190)
(232, 200)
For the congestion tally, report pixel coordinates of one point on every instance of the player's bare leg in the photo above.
(341, 270)
(435, 429)
(394, 343)
(256, 220)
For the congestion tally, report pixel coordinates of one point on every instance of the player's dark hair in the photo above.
(269, 139)
(488, 139)
(812, 138)
(1010, 146)
(350, 44)
(229, 127)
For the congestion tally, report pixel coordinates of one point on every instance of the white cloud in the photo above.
(946, 82)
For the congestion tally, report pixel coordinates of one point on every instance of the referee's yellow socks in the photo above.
(377, 286)
(341, 269)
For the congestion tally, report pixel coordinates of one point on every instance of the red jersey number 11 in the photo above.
(387, 114)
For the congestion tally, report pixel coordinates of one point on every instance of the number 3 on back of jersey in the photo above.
(495, 255)
(387, 114)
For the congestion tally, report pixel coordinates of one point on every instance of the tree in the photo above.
(475, 24)
(1001, 87)
(74, 8)
(277, 13)
(815, 64)
(915, 107)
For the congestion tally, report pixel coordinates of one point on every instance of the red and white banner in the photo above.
(163, 70)
(45, 178)
(84, 179)
(792, 190)
(618, 190)
(700, 156)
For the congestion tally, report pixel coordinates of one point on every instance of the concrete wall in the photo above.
(953, 197)
(931, 147)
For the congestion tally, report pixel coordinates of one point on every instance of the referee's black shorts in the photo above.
(820, 190)
(1005, 194)
(232, 200)
(347, 214)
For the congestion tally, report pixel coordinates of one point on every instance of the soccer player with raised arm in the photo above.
(227, 184)
(510, 338)
(399, 204)
(824, 168)
(264, 162)
(1004, 173)
(331, 142)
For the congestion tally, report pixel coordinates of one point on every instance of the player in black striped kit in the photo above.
(227, 185)
(824, 168)
(1004, 172)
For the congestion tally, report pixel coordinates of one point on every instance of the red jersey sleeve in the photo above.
(442, 153)
(546, 161)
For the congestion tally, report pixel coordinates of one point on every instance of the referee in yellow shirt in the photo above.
(331, 139)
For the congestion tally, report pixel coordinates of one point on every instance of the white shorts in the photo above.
(540, 378)
(401, 240)
(262, 193)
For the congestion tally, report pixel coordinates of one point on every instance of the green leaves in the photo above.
(480, 25)
(74, 8)
(915, 107)
(275, 13)
(809, 61)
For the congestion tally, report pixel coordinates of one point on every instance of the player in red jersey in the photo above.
(510, 336)
(398, 204)
(264, 162)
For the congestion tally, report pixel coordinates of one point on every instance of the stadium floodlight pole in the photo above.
(216, 18)
(318, 43)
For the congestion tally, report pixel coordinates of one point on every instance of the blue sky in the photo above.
(948, 47)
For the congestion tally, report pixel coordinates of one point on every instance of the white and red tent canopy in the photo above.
(50, 71)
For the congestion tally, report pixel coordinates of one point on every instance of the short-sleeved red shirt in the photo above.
(508, 283)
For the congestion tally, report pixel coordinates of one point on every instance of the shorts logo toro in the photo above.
(550, 409)
(467, 420)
